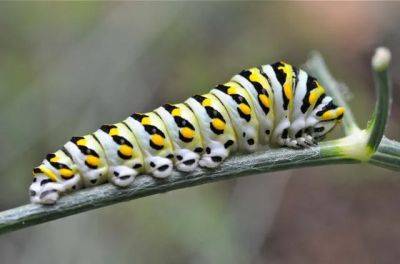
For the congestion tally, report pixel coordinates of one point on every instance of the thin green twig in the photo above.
(376, 126)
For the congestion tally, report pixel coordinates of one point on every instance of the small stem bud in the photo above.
(381, 59)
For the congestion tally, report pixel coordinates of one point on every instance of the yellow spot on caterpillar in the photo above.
(126, 150)
(157, 140)
(187, 132)
(52, 176)
(206, 102)
(245, 109)
(264, 100)
(113, 131)
(231, 90)
(256, 76)
(176, 112)
(332, 114)
(66, 173)
(340, 111)
(287, 87)
(146, 121)
(218, 124)
(315, 94)
(328, 115)
(55, 159)
(81, 142)
(92, 160)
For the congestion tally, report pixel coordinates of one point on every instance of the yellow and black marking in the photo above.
(42, 169)
(125, 150)
(286, 77)
(331, 112)
(187, 130)
(260, 83)
(157, 137)
(92, 159)
(314, 94)
(218, 123)
(65, 171)
(243, 108)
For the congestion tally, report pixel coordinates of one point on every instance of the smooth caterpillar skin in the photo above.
(272, 105)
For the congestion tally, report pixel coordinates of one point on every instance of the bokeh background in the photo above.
(67, 68)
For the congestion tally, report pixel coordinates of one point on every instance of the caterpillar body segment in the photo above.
(240, 110)
(89, 157)
(271, 105)
(154, 142)
(281, 77)
(184, 132)
(123, 154)
(261, 95)
(219, 138)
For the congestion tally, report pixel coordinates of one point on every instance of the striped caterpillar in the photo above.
(274, 105)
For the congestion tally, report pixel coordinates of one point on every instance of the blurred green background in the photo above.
(67, 68)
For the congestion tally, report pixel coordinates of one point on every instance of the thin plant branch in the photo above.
(357, 146)
(376, 127)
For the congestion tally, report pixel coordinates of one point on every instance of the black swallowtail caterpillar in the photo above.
(273, 105)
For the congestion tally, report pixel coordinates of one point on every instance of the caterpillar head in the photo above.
(44, 188)
(329, 120)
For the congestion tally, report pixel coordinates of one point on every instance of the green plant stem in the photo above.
(377, 125)
(244, 165)
(88, 199)
(387, 155)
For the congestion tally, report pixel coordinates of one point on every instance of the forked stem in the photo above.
(359, 144)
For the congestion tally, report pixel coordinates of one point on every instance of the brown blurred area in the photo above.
(67, 68)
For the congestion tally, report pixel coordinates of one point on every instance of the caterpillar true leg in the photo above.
(185, 135)
(216, 129)
(154, 142)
